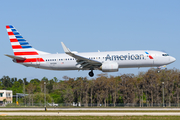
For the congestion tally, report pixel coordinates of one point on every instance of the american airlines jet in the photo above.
(26, 55)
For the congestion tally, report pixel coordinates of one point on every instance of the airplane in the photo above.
(110, 61)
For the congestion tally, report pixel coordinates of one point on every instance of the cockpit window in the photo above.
(165, 54)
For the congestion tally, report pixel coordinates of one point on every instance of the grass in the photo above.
(89, 117)
(88, 111)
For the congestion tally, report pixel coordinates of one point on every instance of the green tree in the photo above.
(17, 87)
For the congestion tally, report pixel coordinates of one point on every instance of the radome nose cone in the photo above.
(173, 59)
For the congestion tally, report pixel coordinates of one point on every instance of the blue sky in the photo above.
(89, 26)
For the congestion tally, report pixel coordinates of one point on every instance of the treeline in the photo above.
(144, 88)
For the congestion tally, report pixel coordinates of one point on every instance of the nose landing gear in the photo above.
(158, 69)
(91, 74)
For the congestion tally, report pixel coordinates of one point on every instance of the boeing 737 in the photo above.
(26, 55)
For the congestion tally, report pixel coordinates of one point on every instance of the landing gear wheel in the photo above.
(91, 74)
(158, 69)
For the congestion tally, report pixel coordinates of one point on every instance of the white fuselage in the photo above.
(125, 59)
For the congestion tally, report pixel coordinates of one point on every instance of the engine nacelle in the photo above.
(109, 66)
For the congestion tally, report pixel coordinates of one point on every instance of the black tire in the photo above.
(91, 74)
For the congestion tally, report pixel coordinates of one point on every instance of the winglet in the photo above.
(66, 50)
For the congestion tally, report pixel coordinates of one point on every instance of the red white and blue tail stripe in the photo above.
(21, 47)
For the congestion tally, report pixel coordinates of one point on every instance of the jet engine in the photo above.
(109, 66)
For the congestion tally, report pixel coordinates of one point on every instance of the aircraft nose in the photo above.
(172, 59)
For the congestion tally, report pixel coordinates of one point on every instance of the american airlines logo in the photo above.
(125, 57)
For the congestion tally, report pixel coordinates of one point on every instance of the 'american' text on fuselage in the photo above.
(125, 57)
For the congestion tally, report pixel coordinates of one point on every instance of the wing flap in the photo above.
(81, 59)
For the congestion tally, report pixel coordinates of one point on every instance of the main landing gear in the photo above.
(91, 74)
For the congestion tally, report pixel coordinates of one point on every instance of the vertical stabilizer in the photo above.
(21, 47)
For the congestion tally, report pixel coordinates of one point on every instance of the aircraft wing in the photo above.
(82, 61)
(15, 57)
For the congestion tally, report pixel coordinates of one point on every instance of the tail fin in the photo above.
(20, 46)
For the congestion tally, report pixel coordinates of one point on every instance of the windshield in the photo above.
(165, 54)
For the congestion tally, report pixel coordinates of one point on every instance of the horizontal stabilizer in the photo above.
(15, 57)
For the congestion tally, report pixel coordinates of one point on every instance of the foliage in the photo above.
(144, 88)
